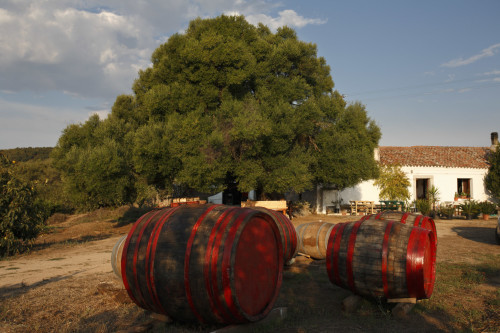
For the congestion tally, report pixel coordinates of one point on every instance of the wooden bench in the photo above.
(277, 205)
(358, 206)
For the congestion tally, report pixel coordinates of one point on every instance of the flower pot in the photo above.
(486, 217)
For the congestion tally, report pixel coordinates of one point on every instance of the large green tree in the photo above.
(228, 100)
(492, 178)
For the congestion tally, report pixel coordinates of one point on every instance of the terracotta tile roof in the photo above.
(452, 157)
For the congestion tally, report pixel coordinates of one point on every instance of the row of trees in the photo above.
(224, 103)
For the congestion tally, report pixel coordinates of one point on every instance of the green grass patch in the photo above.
(458, 295)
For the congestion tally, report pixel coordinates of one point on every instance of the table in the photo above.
(362, 206)
(392, 205)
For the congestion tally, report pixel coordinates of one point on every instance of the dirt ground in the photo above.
(66, 284)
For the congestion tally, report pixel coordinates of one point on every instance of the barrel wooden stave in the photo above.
(313, 238)
(116, 256)
(403, 265)
(198, 263)
(416, 220)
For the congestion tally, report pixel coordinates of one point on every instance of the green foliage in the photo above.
(446, 211)
(47, 182)
(94, 161)
(26, 154)
(487, 207)
(492, 178)
(225, 100)
(423, 206)
(433, 196)
(470, 208)
(21, 215)
(393, 183)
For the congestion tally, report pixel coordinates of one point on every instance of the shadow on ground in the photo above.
(485, 235)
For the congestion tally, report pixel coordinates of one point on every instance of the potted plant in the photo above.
(446, 211)
(433, 197)
(423, 206)
(487, 208)
(456, 196)
(470, 208)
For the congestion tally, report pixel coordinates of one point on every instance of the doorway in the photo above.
(422, 187)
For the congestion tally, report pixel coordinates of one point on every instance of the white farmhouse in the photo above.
(450, 169)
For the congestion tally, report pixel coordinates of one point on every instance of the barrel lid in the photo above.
(258, 265)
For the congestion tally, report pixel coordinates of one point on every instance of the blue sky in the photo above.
(427, 71)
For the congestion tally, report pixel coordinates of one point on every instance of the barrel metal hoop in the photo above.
(350, 254)
(419, 221)
(187, 256)
(134, 261)
(330, 253)
(226, 264)
(327, 235)
(412, 259)
(338, 238)
(317, 238)
(124, 259)
(211, 260)
(283, 227)
(151, 254)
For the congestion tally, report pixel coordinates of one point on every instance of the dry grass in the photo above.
(466, 296)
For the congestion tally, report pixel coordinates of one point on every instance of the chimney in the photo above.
(376, 153)
(494, 141)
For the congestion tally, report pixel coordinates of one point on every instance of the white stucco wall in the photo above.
(445, 179)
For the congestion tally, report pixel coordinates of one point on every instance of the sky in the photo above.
(427, 71)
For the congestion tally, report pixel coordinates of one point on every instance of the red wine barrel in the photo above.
(416, 220)
(206, 263)
(116, 256)
(313, 238)
(382, 259)
(287, 232)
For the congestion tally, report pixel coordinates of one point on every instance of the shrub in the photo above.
(446, 211)
(487, 207)
(470, 208)
(21, 215)
(423, 206)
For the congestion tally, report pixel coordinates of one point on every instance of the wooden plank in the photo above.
(411, 300)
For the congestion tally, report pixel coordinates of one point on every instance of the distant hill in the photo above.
(26, 154)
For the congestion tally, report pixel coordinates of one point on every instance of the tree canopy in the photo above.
(21, 215)
(224, 100)
(393, 183)
(492, 178)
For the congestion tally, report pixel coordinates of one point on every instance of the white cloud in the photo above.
(451, 78)
(494, 72)
(286, 17)
(488, 52)
(83, 52)
(102, 114)
(94, 48)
